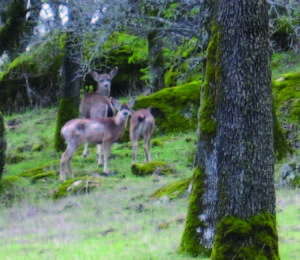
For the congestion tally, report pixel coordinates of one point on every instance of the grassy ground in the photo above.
(116, 221)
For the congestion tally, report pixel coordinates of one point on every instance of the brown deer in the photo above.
(97, 105)
(142, 124)
(104, 130)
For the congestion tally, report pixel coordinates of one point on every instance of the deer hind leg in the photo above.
(147, 148)
(107, 147)
(85, 151)
(134, 149)
(99, 154)
(66, 160)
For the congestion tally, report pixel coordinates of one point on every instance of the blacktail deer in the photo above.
(142, 124)
(104, 130)
(97, 105)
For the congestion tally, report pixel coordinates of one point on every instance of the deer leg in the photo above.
(107, 147)
(99, 154)
(85, 151)
(66, 158)
(147, 148)
(134, 150)
(69, 164)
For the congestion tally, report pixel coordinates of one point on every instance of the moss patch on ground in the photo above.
(173, 190)
(78, 185)
(149, 168)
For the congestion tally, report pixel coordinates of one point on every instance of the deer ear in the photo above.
(132, 102)
(113, 72)
(115, 103)
(95, 75)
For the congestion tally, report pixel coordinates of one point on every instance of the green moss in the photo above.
(32, 172)
(175, 109)
(150, 167)
(38, 147)
(14, 158)
(2, 145)
(67, 110)
(44, 176)
(234, 234)
(281, 146)
(190, 241)
(296, 182)
(208, 124)
(83, 184)
(157, 143)
(173, 190)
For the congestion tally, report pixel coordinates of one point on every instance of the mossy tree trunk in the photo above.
(232, 204)
(2, 145)
(69, 102)
(156, 61)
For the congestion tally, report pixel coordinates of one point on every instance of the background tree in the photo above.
(232, 204)
(2, 145)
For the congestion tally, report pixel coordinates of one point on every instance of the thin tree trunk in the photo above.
(69, 102)
(156, 61)
(2, 145)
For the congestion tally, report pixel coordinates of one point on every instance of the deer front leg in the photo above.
(107, 147)
(66, 159)
(99, 154)
(85, 151)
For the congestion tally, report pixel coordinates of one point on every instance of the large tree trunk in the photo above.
(233, 178)
(2, 145)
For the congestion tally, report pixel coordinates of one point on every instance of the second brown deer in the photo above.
(142, 124)
(93, 131)
(97, 104)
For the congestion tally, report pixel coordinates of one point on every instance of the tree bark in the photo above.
(70, 96)
(156, 61)
(232, 204)
(2, 145)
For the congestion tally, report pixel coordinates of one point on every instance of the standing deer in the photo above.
(142, 124)
(104, 130)
(96, 105)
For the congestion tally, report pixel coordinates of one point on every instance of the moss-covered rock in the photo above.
(77, 185)
(173, 190)
(14, 158)
(43, 176)
(38, 147)
(175, 109)
(259, 233)
(149, 168)
(31, 172)
(67, 110)
(156, 143)
(2, 145)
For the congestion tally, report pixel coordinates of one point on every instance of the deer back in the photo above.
(142, 123)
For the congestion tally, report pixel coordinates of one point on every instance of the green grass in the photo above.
(117, 221)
